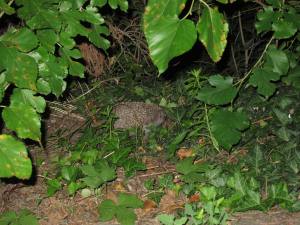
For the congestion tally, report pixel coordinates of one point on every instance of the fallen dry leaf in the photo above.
(171, 202)
(149, 205)
(194, 198)
(183, 153)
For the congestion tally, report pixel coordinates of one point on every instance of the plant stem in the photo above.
(209, 130)
(190, 11)
(9, 4)
(241, 81)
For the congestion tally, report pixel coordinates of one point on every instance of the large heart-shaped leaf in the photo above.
(14, 160)
(213, 29)
(166, 34)
(226, 127)
(221, 93)
(168, 39)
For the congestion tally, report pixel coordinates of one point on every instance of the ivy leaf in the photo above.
(26, 97)
(6, 8)
(22, 71)
(226, 127)
(22, 39)
(213, 29)
(221, 93)
(262, 79)
(130, 201)
(14, 160)
(166, 34)
(24, 120)
(107, 210)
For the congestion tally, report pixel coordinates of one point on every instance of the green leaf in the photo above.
(98, 175)
(265, 19)
(284, 133)
(238, 183)
(277, 61)
(45, 19)
(123, 4)
(283, 29)
(172, 147)
(26, 97)
(3, 85)
(22, 39)
(130, 201)
(181, 221)
(99, 3)
(166, 34)
(96, 37)
(14, 160)
(125, 216)
(293, 77)
(26, 217)
(208, 193)
(6, 8)
(107, 210)
(8, 217)
(53, 186)
(187, 167)
(262, 79)
(226, 127)
(221, 93)
(169, 38)
(275, 3)
(43, 86)
(22, 71)
(24, 120)
(213, 29)
(48, 38)
(69, 173)
(166, 219)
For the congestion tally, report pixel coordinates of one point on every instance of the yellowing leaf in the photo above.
(212, 29)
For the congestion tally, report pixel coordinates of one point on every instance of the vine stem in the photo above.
(190, 11)
(241, 81)
(209, 129)
(2, 13)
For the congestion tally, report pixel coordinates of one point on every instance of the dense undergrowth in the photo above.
(254, 169)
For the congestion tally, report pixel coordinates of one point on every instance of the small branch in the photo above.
(241, 81)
